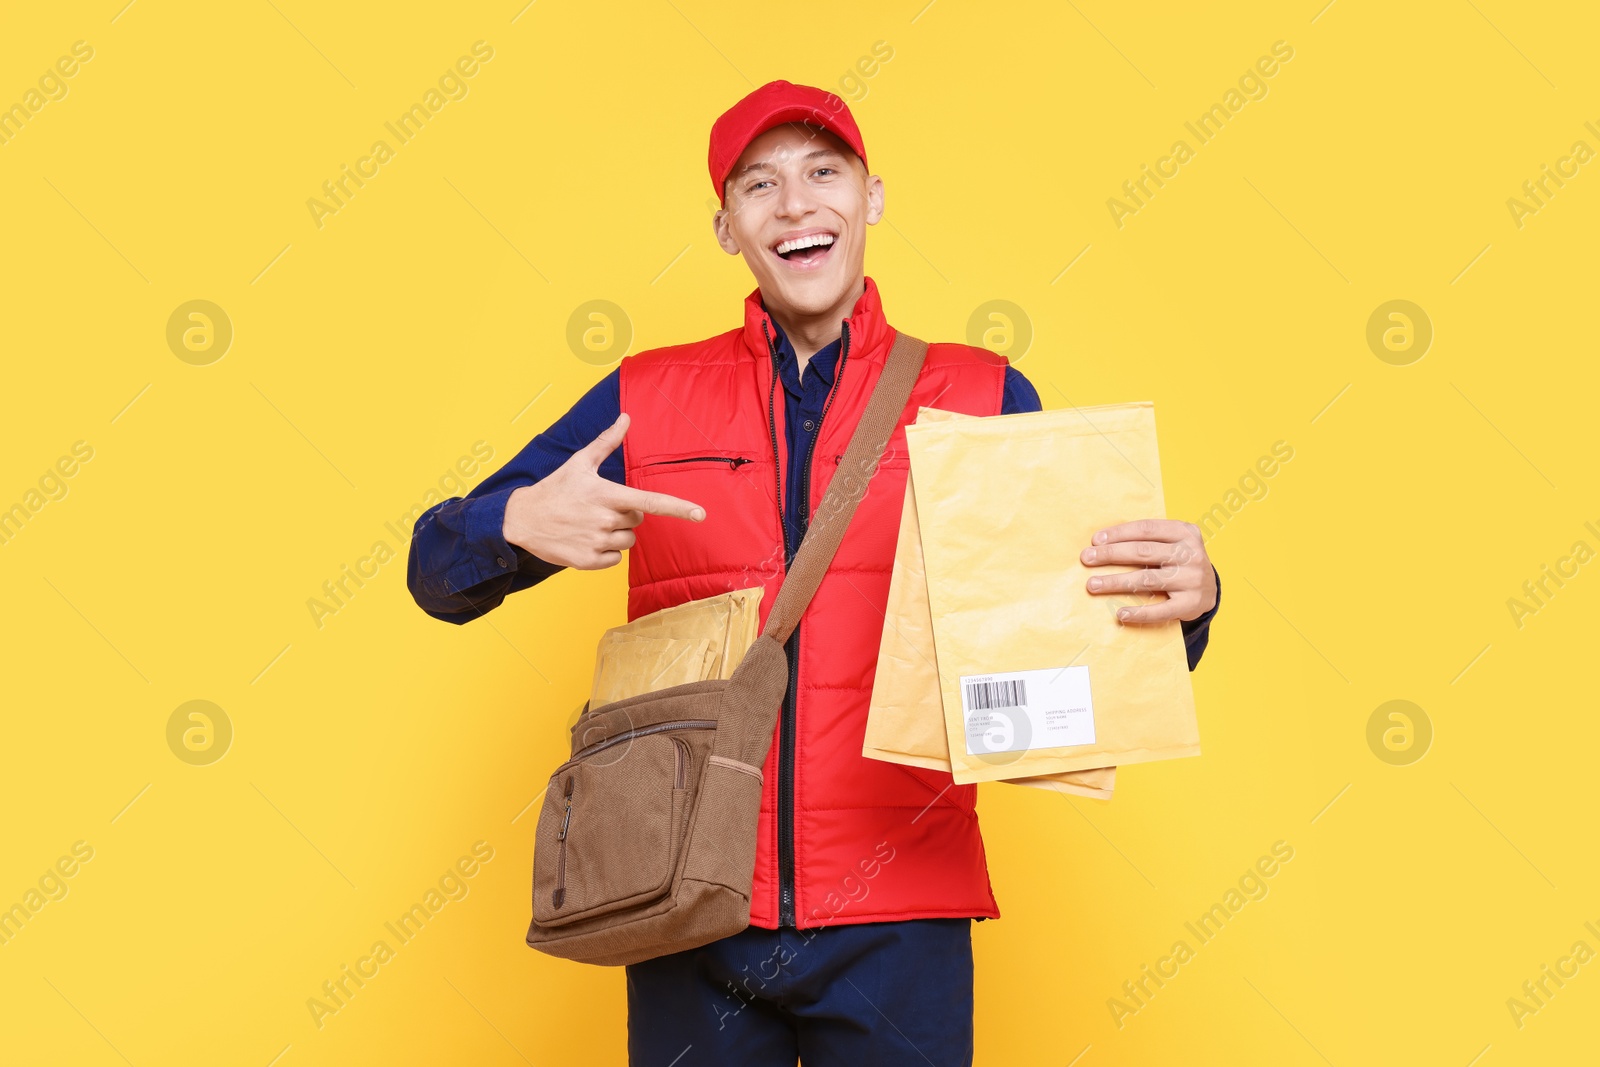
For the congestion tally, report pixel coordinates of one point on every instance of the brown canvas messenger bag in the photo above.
(646, 842)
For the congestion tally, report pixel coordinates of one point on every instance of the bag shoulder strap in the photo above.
(848, 485)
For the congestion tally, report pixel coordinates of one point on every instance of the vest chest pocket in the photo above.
(892, 457)
(702, 460)
(735, 487)
(892, 460)
(614, 819)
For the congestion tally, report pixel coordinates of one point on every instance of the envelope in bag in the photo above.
(688, 642)
(1037, 675)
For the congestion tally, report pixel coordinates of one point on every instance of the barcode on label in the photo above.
(1011, 693)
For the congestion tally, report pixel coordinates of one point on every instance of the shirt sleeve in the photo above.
(461, 565)
(1020, 396)
(1197, 632)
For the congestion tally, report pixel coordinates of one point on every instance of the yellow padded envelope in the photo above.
(628, 665)
(1036, 674)
(689, 642)
(905, 720)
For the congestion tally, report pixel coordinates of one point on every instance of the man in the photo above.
(868, 874)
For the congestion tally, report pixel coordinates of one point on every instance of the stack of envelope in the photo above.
(690, 642)
(996, 663)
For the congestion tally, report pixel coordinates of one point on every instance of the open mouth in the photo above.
(806, 251)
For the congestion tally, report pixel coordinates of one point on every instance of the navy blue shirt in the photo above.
(462, 566)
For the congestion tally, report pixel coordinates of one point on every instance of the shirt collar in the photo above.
(823, 364)
(870, 332)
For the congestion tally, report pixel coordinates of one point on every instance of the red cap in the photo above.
(772, 105)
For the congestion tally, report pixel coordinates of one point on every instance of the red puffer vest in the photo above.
(842, 838)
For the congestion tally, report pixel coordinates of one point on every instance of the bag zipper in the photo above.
(560, 895)
(680, 769)
(629, 735)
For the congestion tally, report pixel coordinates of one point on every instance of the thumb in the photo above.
(595, 452)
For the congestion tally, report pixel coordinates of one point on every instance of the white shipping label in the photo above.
(1023, 710)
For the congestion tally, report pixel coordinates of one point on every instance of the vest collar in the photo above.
(870, 332)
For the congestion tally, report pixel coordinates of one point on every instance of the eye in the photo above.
(826, 170)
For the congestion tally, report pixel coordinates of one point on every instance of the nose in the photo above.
(796, 201)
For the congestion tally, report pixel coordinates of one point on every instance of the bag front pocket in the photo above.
(613, 822)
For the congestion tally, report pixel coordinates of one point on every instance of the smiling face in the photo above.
(798, 204)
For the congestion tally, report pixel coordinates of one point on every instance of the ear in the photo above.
(724, 232)
(874, 200)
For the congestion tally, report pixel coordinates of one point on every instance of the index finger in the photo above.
(1143, 530)
(628, 498)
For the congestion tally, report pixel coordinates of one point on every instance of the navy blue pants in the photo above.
(885, 993)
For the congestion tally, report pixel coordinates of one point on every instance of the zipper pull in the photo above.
(566, 818)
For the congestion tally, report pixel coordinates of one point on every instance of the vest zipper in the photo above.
(786, 714)
(772, 428)
(786, 745)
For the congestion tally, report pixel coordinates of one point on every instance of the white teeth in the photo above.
(798, 243)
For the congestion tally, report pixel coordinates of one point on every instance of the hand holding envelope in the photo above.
(991, 644)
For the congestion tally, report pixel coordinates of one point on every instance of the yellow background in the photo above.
(430, 313)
